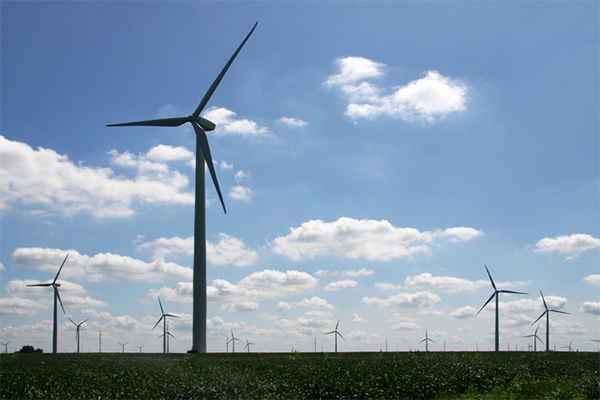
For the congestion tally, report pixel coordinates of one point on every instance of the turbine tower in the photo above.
(535, 338)
(168, 334)
(78, 325)
(496, 294)
(335, 334)
(547, 312)
(163, 317)
(201, 125)
(55, 286)
(426, 340)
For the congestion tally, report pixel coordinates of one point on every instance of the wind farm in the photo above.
(165, 335)
(547, 312)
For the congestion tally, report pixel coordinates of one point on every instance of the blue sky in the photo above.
(373, 157)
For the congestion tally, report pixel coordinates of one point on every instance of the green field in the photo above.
(416, 375)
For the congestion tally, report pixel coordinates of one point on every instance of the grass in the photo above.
(450, 375)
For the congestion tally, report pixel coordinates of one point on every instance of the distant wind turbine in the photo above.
(5, 347)
(232, 340)
(248, 345)
(123, 345)
(200, 125)
(426, 340)
(335, 334)
(140, 347)
(163, 317)
(547, 312)
(568, 347)
(496, 294)
(55, 286)
(167, 335)
(78, 325)
(535, 338)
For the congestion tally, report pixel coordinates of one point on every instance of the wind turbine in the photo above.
(200, 125)
(78, 325)
(123, 345)
(248, 344)
(140, 347)
(547, 312)
(535, 338)
(232, 340)
(55, 286)
(163, 317)
(166, 335)
(426, 340)
(496, 294)
(335, 334)
(568, 347)
(5, 347)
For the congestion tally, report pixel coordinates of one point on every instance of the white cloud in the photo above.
(240, 176)
(46, 179)
(360, 272)
(355, 319)
(341, 285)
(572, 245)
(169, 153)
(362, 239)
(418, 299)
(591, 307)
(387, 286)
(592, 279)
(314, 302)
(225, 167)
(21, 306)
(100, 266)
(464, 312)
(240, 193)
(427, 99)
(2, 267)
(228, 124)
(293, 122)
(426, 281)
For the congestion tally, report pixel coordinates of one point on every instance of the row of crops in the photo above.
(295, 376)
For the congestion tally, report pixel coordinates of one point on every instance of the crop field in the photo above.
(414, 375)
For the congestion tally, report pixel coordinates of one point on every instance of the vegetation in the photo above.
(448, 375)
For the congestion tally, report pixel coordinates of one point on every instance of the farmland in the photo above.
(414, 375)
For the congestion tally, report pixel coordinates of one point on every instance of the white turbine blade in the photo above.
(558, 311)
(203, 142)
(60, 269)
(486, 303)
(156, 122)
(340, 335)
(82, 322)
(213, 87)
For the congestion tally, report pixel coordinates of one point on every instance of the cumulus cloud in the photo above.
(228, 124)
(592, 279)
(362, 239)
(464, 312)
(426, 281)
(293, 122)
(228, 250)
(428, 99)
(356, 319)
(360, 272)
(572, 245)
(45, 179)
(591, 307)
(240, 192)
(341, 285)
(418, 299)
(103, 266)
(387, 286)
(314, 302)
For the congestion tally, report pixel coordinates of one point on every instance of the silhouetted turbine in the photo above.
(568, 347)
(496, 294)
(78, 325)
(123, 345)
(426, 340)
(335, 334)
(140, 347)
(535, 338)
(200, 125)
(55, 286)
(547, 312)
(5, 347)
(163, 317)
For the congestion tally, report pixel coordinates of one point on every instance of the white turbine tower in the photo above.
(55, 286)
(535, 338)
(547, 312)
(497, 295)
(426, 340)
(163, 317)
(123, 346)
(200, 125)
(78, 325)
(335, 334)
(248, 345)
(232, 340)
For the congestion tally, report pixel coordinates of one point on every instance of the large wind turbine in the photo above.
(5, 347)
(496, 294)
(335, 334)
(55, 286)
(201, 125)
(547, 312)
(426, 340)
(535, 338)
(78, 325)
(123, 346)
(232, 340)
(163, 317)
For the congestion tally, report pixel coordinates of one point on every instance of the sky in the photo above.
(374, 157)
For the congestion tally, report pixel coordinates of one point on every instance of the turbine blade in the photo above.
(61, 267)
(329, 333)
(544, 300)
(172, 315)
(491, 280)
(338, 324)
(161, 307)
(59, 300)
(156, 122)
(511, 291)
(41, 284)
(486, 303)
(341, 335)
(203, 141)
(558, 311)
(431, 340)
(422, 341)
(544, 313)
(72, 321)
(82, 322)
(158, 322)
(213, 87)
